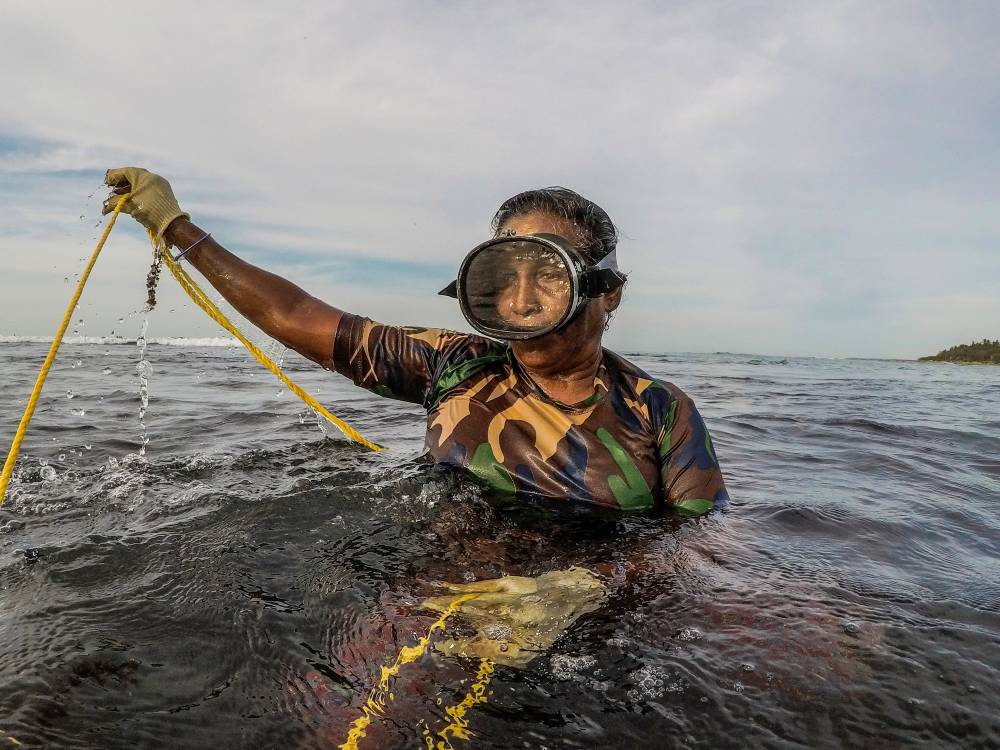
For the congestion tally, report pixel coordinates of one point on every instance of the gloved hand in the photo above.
(518, 618)
(152, 202)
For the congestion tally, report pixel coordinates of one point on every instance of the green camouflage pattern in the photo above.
(637, 443)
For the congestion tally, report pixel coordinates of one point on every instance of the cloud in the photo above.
(773, 166)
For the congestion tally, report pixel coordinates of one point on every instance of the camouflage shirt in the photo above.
(636, 443)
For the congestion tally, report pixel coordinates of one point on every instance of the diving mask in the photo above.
(525, 286)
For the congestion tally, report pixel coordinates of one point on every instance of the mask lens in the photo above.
(518, 287)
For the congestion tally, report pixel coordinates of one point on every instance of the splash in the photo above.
(144, 369)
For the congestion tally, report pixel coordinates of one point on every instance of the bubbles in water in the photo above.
(62, 456)
(498, 631)
(48, 473)
(689, 634)
(566, 667)
(106, 371)
(70, 394)
(79, 412)
(87, 446)
(652, 682)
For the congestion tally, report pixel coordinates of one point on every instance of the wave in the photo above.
(119, 340)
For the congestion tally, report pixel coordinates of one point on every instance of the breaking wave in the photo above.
(116, 340)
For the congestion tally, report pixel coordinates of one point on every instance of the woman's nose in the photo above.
(524, 300)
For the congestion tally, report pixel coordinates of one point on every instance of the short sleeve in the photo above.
(689, 470)
(395, 361)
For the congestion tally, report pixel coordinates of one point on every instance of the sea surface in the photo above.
(231, 575)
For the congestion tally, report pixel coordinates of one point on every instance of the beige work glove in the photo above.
(516, 618)
(152, 202)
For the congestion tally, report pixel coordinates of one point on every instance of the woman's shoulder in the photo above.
(641, 383)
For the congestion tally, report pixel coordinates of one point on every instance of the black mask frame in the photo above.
(588, 281)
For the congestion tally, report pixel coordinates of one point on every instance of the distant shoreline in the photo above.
(983, 352)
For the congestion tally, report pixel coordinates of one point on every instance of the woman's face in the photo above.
(557, 350)
(533, 289)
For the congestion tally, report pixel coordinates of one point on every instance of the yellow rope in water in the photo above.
(375, 705)
(197, 296)
(22, 428)
(458, 725)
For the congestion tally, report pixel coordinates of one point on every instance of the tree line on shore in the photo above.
(984, 351)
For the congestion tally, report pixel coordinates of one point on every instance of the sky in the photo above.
(790, 178)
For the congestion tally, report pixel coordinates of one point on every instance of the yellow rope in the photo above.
(197, 296)
(375, 705)
(22, 428)
(458, 725)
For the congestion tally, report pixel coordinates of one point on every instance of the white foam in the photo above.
(110, 340)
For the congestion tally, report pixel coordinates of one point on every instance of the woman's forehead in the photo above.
(539, 222)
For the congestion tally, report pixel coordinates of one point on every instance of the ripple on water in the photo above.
(244, 584)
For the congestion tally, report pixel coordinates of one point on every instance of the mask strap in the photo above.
(451, 290)
(609, 261)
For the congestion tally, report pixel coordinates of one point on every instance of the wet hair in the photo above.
(598, 235)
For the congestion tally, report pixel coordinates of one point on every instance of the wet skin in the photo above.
(564, 363)
(534, 293)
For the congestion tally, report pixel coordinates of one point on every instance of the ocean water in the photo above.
(232, 575)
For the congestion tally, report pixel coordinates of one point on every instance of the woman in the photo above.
(539, 407)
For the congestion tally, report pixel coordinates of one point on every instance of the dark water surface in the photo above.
(241, 584)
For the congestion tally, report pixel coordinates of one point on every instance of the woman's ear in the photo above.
(612, 299)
